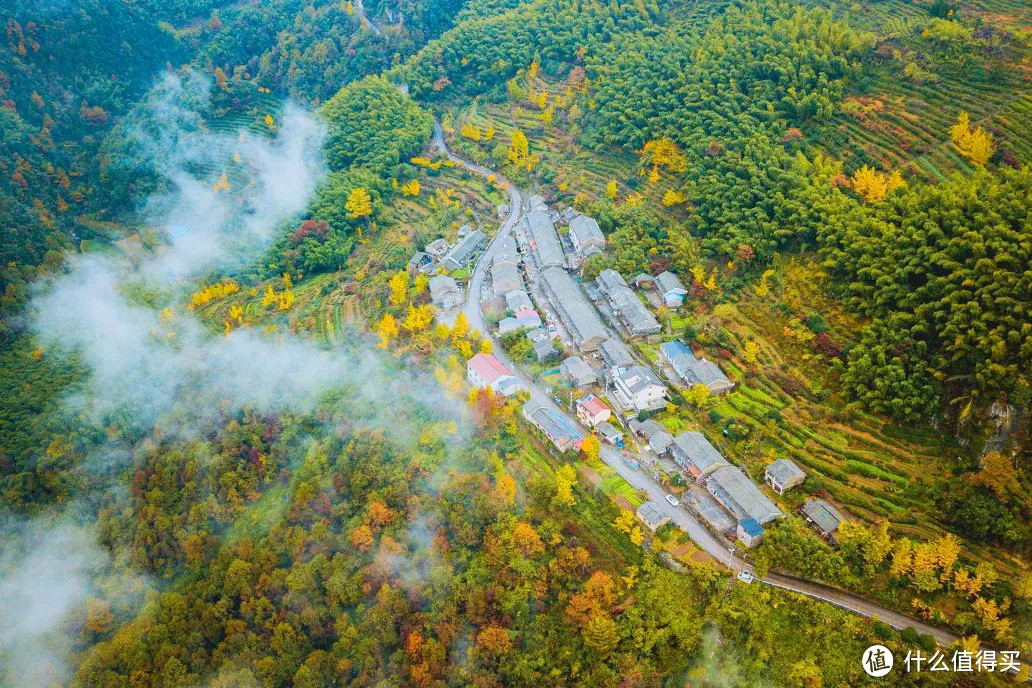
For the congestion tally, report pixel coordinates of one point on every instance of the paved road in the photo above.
(702, 537)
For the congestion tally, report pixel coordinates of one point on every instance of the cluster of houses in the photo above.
(438, 254)
(439, 258)
(728, 484)
(627, 308)
(731, 487)
(631, 386)
(667, 287)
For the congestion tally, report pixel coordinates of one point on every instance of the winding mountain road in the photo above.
(702, 537)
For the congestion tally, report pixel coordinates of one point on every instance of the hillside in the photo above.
(240, 442)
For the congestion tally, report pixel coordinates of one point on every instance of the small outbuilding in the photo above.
(782, 475)
(652, 516)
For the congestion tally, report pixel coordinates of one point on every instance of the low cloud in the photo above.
(48, 571)
(175, 371)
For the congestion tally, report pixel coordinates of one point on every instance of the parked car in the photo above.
(745, 576)
(673, 500)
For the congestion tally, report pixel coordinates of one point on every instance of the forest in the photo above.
(237, 447)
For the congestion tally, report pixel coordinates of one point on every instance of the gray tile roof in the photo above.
(462, 253)
(652, 515)
(577, 313)
(505, 277)
(823, 514)
(615, 353)
(506, 251)
(669, 282)
(608, 431)
(579, 371)
(544, 349)
(517, 300)
(548, 251)
(417, 259)
(692, 448)
(784, 470)
(442, 284)
(705, 373)
(584, 232)
(638, 319)
(739, 494)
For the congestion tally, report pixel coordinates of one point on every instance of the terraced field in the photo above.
(892, 120)
(566, 168)
(895, 124)
(787, 401)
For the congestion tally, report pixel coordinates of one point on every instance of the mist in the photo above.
(48, 570)
(175, 371)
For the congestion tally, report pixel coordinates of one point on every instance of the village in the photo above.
(580, 343)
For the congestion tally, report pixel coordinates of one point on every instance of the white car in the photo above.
(745, 576)
(672, 500)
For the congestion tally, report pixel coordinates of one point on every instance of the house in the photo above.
(694, 371)
(505, 277)
(557, 429)
(536, 334)
(578, 372)
(506, 251)
(485, 370)
(608, 432)
(418, 260)
(653, 433)
(740, 496)
(749, 532)
(537, 202)
(518, 300)
(670, 288)
(696, 455)
(783, 475)
(445, 292)
(640, 389)
(585, 235)
(507, 325)
(638, 319)
(678, 355)
(824, 517)
(544, 350)
(708, 373)
(643, 280)
(544, 241)
(577, 313)
(437, 248)
(568, 214)
(528, 317)
(502, 210)
(591, 410)
(615, 354)
(652, 515)
(462, 253)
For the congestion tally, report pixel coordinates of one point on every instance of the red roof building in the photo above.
(485, 370)
(591, 410)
